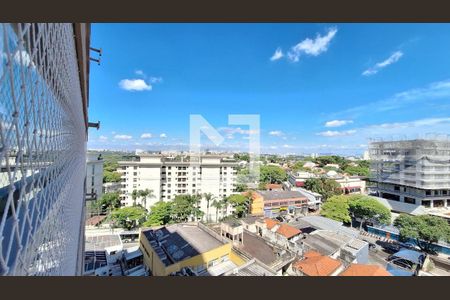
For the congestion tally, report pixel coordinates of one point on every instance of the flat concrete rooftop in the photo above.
(101, 242)
(180, 241)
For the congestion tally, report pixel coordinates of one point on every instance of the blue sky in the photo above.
(326, 88)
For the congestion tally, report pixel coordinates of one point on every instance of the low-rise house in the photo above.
(272, 203)
(278, 233)
(309, 165)
(276, 258)
(274, 187)
(337, 245)
(365, 270)
(298, 179)
(336, 166)
(316, 264)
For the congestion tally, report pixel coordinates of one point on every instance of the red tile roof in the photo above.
(95, 220)
(365, 270)
(288, 231)
(315, 264)
(270, 223)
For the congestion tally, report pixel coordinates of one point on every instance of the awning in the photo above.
(396, 271)
(410, 255)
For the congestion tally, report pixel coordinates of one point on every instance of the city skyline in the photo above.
(325, 88)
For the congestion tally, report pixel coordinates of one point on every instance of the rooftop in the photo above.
(323, 223)
(180, 241)
(273, 195)
(365, 270)
(101, 242)
(315, 264)
(252, 268)
(288, 231)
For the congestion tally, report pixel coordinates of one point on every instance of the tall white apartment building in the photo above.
(94, 176)
(168, 176)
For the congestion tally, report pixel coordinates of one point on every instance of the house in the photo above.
(316, 264)
(273, 203)
(274, 187)
(309, 165)
(365, 270)
(336, 244)
(278, 233)
(298, 179)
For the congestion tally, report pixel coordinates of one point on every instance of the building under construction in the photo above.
(412, 171)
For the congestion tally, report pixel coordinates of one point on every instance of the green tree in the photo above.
(128, 217)
(272, 174)
(109, 201)
(186, 207)
(208, 198)
(337, 208)
(111, 176)
(160, 214)
(240, 187)
(218, 204)
(369, 209)
(144, 194)
(424, 229)
(225, 204)
(325, 186)
(240, 203)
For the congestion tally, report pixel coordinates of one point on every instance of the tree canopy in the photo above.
(109, 176)
(129, 217)
(240, 203)
(337, 208)
(325, 186)
(160, 214)
(186, 207)
(369, 209)
(108, 201)
(424, 229)
(272, 174)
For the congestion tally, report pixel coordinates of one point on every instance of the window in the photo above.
(134, 173)
(410, 200)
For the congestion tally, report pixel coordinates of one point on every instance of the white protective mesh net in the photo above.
(42, 150)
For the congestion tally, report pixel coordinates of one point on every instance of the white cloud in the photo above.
(390, 60)
(312, 47)
(122, 137)
(103, 138)
(287, 146)
(277, 55)
(163, 135)
(276, 133)
(139, 72)
(337, 123)
(331, 133)
(135, 85)
(425, 96)
(146, 136)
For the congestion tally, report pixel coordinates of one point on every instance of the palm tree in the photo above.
(225, 205)
(208, 198)
(134, 196)
(144, 194)
(218, 205)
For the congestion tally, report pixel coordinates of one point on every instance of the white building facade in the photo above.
(168, 176)
(94, 176)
